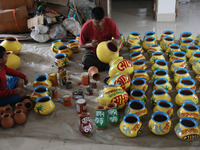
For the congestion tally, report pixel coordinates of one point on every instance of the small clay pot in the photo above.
(20, 105)
(28, 104)
(8, 109)
(7, 121)
(20, 116)
(94, 73)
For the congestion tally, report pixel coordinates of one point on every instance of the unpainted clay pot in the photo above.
(7, 121)
(28, 104)
(94, 73)
(20, 105)
(20, 116)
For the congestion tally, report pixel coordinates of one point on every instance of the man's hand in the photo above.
(25, 81)
(19, 91)
(94, 43)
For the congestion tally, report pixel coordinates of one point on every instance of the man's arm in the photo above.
(92, 44)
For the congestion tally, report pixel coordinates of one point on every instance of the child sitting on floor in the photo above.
(12, 88)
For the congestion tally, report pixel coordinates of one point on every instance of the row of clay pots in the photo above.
(18, 116)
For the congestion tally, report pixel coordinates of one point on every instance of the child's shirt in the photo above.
(4, 92)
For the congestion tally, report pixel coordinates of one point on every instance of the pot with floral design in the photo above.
(185, 42)
(166, 41)
(178, 63)
(136, 56)
(64, 49)
(186, 83)
(139, 83)
(55, 44)
(73, 45)
(136, 49)
(39, 91)
(131, 125)
(139, 65)
(160, 94)
(186, 95)
(100, 118)
(159, 64)
(138, 94)
(42, 80)
(186, 35)
(180, 73)
(148, 41)
(162, 83)
(155, 56)
(164, 106)
(151, 33)
(133, 35)
(154, 48)
(140, 74)
(191, 49)
(178, 55)
(194, 58)
(160, 73)
(61, 60)
(167, 33)
(172, 48)
(133, 42)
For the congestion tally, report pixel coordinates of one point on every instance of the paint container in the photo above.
(54, 93)
(68, 84)
(79, 96)
(74, 93)
(53, 78)
(81, 106)
(85, 80)
(67, 100)
(89, 91)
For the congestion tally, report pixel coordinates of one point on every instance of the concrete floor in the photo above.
(129, 16)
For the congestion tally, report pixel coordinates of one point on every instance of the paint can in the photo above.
(89, 91)
(85, 80)
(79, 96)
(81, 106)
(54, 93)
(74, 93)
(53, 78)
(68, 85)
(67, 100)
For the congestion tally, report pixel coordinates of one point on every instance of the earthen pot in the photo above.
(20, 116)
(94, 73)
(7, 121)
(28, 104)
(20, 105)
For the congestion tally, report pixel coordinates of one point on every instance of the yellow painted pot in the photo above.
(140, 74)
(160, 94)
(164, 106)
(162, 83)
(77, 37)
(39, 91)
(106, 51)
(198, 77)
(178, 55)
(13, 61)
(190, 49)
(196, 67)
(122, 79)
(139, 83)
(61, 60)
(136, 56)
(186, 35)
(186, 83)
(138, 94)
(186, 95)
(136, 107)
(139, 65)
(189, 109)
(136, 49)
(113, 94)
(172, 48)
(148, 41)
(185, 42)
(179, 63)
(131, 125)
(64, 49)
(160, 73)
(55, 44)
(194, 58)
(160, 123)
(133, 35)
(12, 44)
(155, 56)
(167, 33)
(166, 41)
(121, 66)
(44, 105)
(198, 37)
(152, 34)
(42, 80)
(154, 48)
(159, 64)
(180, 73)
(133, 42)
(187, 129)
(73, 45)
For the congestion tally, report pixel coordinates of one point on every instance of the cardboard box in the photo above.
(14, 20)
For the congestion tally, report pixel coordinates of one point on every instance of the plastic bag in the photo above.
(57, 31)
(39, 37)
(80, 4)
(41, 29)
(72, 26)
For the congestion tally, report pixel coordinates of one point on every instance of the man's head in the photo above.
(3, 56)
(98, 17)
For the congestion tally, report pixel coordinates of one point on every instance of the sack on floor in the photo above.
(57, 31)
(72, 26)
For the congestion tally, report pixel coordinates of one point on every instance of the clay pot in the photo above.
(7, 121)
(94, 73)
(8, 109)
(85, 126)
(28, 104)
(20, 105)
(20, 116)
